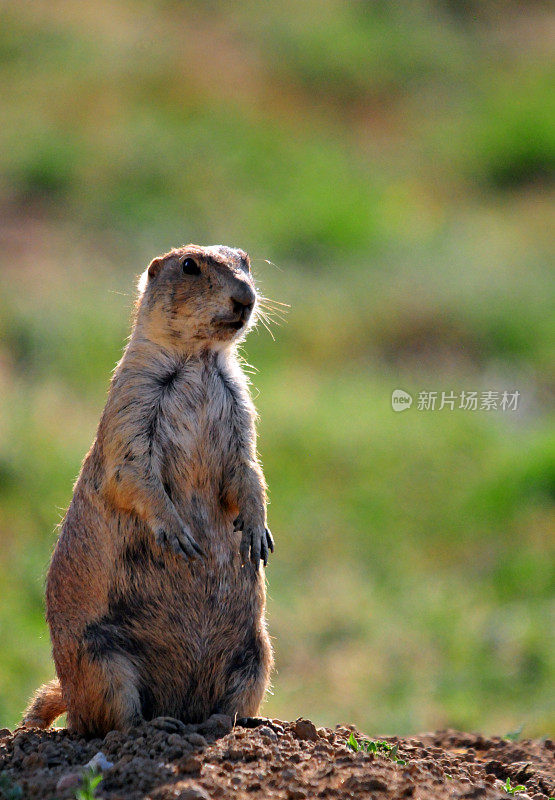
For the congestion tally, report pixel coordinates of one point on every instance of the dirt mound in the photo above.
(166, 759)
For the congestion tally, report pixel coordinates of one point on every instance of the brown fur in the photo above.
(46, 705)
(141, 624)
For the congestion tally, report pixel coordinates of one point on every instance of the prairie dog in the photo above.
(155, 594)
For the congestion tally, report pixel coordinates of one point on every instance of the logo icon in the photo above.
(400, 400)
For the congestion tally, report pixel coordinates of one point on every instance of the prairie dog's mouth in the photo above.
(236, 319)
(234, 323)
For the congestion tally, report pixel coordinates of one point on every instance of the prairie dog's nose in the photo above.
(242, 297)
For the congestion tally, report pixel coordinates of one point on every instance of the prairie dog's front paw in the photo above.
(256, 542)
(178, 537)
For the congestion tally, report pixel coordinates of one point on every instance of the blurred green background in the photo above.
(395, 162)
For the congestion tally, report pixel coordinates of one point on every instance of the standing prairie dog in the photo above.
(155, 594)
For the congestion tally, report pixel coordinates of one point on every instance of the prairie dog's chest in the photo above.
(200, 413)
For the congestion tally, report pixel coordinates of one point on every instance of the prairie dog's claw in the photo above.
(255, 545)
(255, 722)
(180, 540)
(270, 540)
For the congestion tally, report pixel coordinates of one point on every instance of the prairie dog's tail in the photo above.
(46, 705)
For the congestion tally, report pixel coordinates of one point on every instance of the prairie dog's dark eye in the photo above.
(190, 267)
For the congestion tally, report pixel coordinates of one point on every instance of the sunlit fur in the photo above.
(140, 626)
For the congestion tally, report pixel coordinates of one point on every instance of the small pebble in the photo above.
(68, 781)
(197, 740)
(192, 792)
(268, 732)
(296, 794)
(305, 729)
(189, 765)
(99, 762)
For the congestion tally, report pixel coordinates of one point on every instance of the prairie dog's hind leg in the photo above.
(247, 679)
(104, 695)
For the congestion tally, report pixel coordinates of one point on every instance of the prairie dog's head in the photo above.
(194, 297)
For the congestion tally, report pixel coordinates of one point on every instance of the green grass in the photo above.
(89, 783)
(514, 736)
(513, 789)
(395, 165)
(382, 748)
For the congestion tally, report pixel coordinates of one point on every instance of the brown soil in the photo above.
(166, 759)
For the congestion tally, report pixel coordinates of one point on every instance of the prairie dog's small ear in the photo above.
(155, 266)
